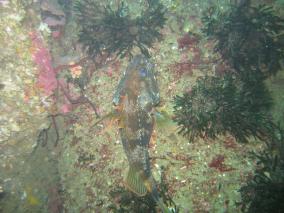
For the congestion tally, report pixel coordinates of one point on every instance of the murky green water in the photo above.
(69, 131)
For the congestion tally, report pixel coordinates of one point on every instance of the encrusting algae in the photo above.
(31, 198)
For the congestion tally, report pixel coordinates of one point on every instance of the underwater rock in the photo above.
(53, 22)
(52, 7)
(53, 16)
(55, 203)
(67, 59)
(4, 3)
(2, 193)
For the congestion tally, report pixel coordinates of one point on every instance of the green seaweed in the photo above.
(219, 105)
(249, 37)
(264, 192)
(114, 31)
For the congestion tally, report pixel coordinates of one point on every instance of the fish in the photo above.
(136, 96)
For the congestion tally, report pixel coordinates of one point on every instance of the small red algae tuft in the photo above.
(187, 41)
(218, 163)
(190, 57)
(57, 34)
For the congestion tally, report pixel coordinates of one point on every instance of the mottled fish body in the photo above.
(136, 95)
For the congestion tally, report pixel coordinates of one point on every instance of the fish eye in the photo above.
(142, 72)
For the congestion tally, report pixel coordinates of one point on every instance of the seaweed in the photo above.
(264, 192)
(114, 31)
(250, 42)
(219, 105)
(249, 37)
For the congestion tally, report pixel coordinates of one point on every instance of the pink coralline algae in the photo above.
(56, 34)
(47, 78)
(41, 57)
(65, 108)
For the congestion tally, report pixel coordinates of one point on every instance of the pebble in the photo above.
(7, 179)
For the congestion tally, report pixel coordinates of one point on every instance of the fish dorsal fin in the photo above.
(134, 182)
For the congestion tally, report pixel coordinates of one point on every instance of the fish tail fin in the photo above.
(155, 195)
(162, 206)
(140, 185)
(135, 182)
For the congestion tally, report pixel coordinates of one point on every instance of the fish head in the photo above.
(139, 83)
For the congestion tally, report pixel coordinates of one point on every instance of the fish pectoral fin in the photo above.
(135, 182)
(109, 115)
